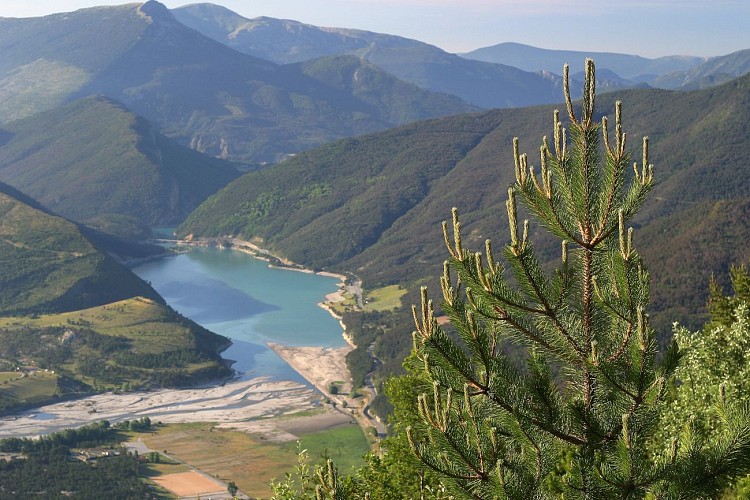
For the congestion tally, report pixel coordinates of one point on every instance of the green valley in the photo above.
(74, 321)
(373, 205)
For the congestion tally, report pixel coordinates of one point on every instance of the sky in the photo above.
(650, 28)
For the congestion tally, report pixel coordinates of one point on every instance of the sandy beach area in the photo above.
(321, 366)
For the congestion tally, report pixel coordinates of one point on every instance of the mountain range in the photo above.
(193, 89)
(714, 71)
(283, 41)
(631, 67)
(251, 91)
(500, 76)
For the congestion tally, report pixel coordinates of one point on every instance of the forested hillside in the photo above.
(68, 307)
(50, 265)
(94, 161)
(373, 205)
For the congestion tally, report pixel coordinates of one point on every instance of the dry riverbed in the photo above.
(243, 404)
(235, 401)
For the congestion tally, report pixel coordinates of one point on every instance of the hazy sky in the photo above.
(649, 28)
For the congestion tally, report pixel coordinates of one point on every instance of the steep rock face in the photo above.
(93, 158)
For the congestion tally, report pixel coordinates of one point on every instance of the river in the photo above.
(241, 297)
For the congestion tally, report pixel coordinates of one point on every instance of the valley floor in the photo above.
(245, 404)
(236, 401)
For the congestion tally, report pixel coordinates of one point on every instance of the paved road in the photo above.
(356, 289)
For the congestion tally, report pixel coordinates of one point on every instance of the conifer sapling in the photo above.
(578, 413)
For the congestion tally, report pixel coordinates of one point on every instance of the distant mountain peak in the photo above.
(629, 67)
(155, 10)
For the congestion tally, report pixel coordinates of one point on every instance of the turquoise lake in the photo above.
(240, 297)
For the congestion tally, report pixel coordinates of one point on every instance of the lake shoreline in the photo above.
(321, 367)
(277, 262)
(303, 360)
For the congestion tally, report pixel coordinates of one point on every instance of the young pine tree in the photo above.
(578, 414)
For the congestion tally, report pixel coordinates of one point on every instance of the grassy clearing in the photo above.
(8, 376)
(141, 320)
(348, 304)
(160, 469)
(346, 445)
(248, 461)
(35, 388)
(384, 299)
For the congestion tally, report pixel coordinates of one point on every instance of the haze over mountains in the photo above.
(127, 117)
(284, 41)
(496, 83)
(712, 72)
(249, 104)
(196, 91)
(631, 67)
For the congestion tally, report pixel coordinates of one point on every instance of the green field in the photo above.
(384, 299)
(34, 388)
(141, 320)
(345, 445)
(251, 462)
(8, 376)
